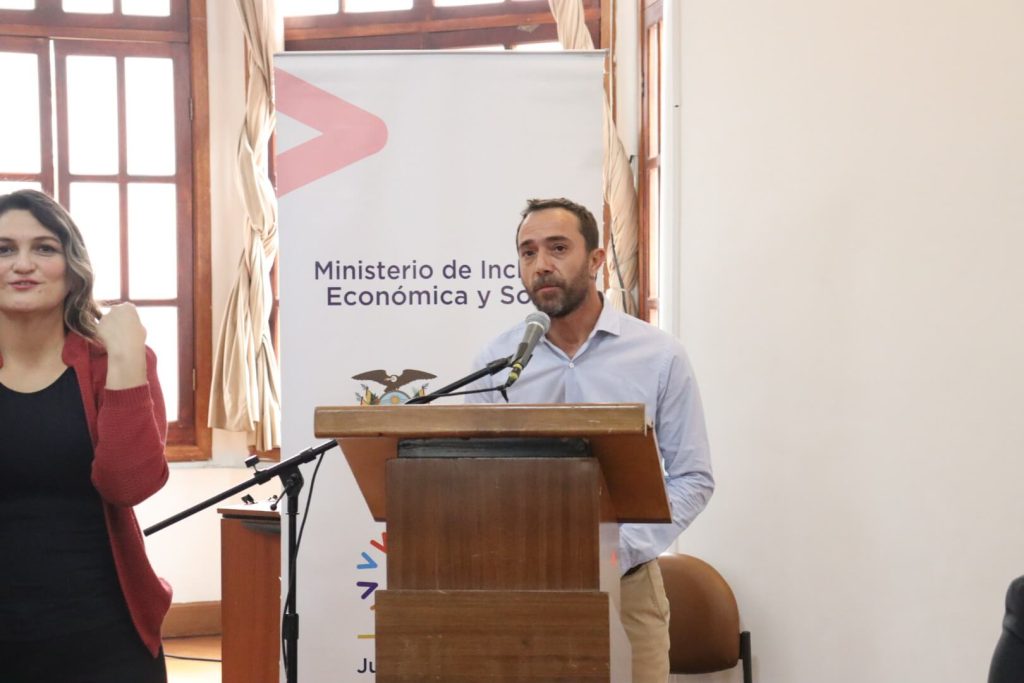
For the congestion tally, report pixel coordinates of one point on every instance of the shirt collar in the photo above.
(609, 321)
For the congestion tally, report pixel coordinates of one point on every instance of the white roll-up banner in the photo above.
(401, 176)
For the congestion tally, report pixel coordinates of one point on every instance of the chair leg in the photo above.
(746, 657)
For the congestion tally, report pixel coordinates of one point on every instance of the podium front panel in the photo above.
(493, 636)
(494, 524)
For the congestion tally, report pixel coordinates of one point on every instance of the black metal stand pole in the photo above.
(290, 623)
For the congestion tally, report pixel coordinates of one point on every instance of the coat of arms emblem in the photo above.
(392, 393)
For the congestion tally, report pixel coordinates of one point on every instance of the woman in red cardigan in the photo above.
(83, 425)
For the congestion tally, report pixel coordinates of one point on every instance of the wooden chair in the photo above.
(704, 627)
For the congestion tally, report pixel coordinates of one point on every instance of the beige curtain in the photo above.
(619, 191)
(244, 395)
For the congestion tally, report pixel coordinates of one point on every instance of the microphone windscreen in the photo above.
(541, 318)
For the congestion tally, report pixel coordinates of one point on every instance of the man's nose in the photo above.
(543, 263)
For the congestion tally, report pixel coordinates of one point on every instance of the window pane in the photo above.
(96, 209)
(89, 6)
(19, 116)
(152, 241)
(17, 4)
(149, 107)
(546, 46)
(92, 114)
(305, 8)
(161, 325)
(146, 8)
(376, 5)
(8, 186)
(653, 90)
(460, 3)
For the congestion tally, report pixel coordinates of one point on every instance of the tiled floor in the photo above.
(189, 671)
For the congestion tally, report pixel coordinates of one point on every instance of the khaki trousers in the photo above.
(644, 612)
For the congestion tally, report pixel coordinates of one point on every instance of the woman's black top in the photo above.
(57, 575)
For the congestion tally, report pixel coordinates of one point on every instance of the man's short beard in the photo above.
(574, 293)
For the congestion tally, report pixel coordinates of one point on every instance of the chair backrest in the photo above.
(704, 625)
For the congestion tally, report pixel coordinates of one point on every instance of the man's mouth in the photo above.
(542, 287)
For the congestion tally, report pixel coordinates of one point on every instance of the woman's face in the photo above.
(32, 266)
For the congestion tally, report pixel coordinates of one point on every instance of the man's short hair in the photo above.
(588, 224)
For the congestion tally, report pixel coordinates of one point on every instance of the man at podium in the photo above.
(593, 353)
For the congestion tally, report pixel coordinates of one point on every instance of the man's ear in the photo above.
(596, 258)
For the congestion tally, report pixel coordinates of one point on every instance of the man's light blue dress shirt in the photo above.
(625, 360)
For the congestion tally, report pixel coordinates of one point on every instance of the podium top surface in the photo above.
(481, 420)
(254, 511)
(619, 435)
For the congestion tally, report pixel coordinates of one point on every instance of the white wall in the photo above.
(188, 553)
(852, 193)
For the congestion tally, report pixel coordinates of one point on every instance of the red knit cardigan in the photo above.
(128, 429)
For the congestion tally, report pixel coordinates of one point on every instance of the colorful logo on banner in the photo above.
(392, 393)
(368, 584)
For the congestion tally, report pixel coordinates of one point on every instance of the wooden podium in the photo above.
(502, 525)
(250, 586)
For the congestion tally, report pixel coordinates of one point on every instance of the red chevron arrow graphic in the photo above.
(383, 545)
(347, 133)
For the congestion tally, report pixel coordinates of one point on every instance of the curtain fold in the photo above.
(619, 190)
(245, 394)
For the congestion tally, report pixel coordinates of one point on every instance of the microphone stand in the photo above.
(291, 478)
(492, 368)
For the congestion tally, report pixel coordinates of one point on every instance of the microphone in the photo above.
(537, 324)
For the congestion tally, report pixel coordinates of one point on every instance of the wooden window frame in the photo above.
(48, 20)
(182, 430)
(41, 48)
(427, 27)
(651, 15)
(184, 34)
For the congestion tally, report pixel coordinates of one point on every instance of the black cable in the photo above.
(284, 644)
(470, 391)
(193, 659)
(309, 498)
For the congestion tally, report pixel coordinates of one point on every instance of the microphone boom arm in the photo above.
(492, 368)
